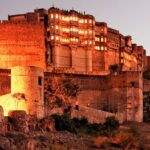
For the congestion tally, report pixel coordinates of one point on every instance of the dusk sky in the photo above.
(130, 17)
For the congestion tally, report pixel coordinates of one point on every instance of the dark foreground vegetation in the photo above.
(76, 125)
(104, 136)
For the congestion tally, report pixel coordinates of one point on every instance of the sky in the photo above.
(130, 17)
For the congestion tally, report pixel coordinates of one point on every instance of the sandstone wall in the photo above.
(78, 58)
(28, 81)
(62, 56)
(117, 94)
(21, 44)
(111, 58)
(98, 60)
(94, 115)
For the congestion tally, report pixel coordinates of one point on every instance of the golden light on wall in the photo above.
(52, 37)
(90, 42)
(65, 40)
(64, 18)
(57, 16)
(90, 31)
(102, 48)
(97, 48)
(56, 27)
(9, 102)
(52, 16)
(74, 40)
(85, 32)
(73, 18)
(97, 39)
(81, 21)
(102, 39)
(66, 30)
(57, 38)
(90, 21)
(85, 42)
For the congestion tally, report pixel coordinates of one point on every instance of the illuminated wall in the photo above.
(21, 44)
(76, 40)
(29, 82)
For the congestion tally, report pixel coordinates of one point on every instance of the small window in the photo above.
(39, 81)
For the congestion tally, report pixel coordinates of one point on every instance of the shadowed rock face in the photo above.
(19, 120)
(39, 140)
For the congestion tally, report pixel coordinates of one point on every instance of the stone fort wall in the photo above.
(118, 93)
(21, 44)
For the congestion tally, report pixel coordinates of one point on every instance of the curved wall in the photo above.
(28, 81)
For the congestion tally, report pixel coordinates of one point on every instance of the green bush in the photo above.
(111, 124)
(64, 123)
(94, 129)
(75, 125)
(80, 122)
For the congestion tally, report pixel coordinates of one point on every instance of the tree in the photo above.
(61, 91)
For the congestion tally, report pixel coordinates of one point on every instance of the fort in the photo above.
(39, 46)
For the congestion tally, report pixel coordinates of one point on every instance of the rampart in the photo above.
(116, 94)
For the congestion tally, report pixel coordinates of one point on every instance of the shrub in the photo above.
(111, 124)
(64, 123)
(113, 67)
(94, 129)
(80, 122)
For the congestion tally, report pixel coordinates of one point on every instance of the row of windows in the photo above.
(67, 40)
(100, 48)
(101, 39)
(113, 45)
(67, 30)
(71, 18)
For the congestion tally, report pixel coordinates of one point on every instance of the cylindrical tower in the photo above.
(28, 81)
